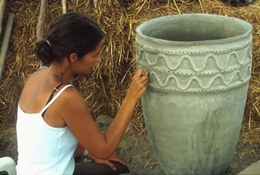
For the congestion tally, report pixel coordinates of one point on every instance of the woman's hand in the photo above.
(138, 85)
(108, 162)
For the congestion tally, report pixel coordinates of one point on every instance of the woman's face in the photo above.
(89, 60)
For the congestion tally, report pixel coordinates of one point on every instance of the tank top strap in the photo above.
(54, 98)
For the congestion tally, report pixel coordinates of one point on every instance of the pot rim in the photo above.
(246, 25)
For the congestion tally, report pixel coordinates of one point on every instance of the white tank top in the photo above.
(43, 149)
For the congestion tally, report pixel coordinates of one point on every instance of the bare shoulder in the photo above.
(71, 105)
(70, 92)
(71, 95)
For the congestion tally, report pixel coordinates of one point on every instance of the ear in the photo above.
(73, 57)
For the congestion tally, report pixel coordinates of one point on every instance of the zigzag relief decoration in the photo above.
(168, 72)
(217, 82)
(196, 64)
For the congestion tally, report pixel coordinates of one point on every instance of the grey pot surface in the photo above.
(199, 69)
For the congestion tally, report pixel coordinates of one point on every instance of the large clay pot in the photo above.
(199, 68)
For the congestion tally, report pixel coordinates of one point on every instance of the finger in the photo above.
(143, 90)
(111, 165)
(143, 79)
(144, 73)
(145, 83)
(117, 159)
(107, 163)
(139, 73)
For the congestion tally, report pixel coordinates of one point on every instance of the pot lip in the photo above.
(248, 27)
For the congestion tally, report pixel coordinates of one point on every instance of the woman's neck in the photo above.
(61, 72)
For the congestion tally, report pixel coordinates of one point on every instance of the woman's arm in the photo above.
(77, 117)
(79, 150)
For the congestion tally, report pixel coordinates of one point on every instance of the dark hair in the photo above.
(69, 33)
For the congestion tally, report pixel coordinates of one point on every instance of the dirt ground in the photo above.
(136, 150)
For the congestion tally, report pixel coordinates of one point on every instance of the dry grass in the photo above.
(105, 87)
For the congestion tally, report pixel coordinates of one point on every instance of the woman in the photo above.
(53, 120)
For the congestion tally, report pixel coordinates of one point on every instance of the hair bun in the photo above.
(44, 52)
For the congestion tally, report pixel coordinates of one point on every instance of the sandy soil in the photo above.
(136, 150)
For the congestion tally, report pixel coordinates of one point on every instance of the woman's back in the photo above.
(46, 149)
(36, 91)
